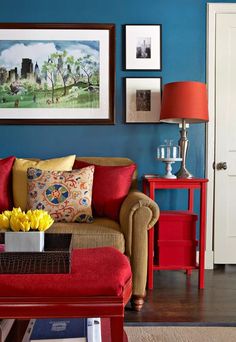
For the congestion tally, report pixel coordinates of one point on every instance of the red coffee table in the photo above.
(99, 285)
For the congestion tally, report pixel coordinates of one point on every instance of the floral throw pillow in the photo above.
(66, 195)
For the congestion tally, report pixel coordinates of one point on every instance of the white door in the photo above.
(225, 140)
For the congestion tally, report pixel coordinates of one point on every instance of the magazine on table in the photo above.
(94, 329)
(63, 330)
(50, 330)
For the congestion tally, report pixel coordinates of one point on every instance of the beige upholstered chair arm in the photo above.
(138, 213)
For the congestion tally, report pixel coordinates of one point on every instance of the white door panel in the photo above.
(225, 180)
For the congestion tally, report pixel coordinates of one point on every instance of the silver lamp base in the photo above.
(183, 143)
(183, 173)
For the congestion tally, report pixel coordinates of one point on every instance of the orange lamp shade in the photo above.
(184, 100)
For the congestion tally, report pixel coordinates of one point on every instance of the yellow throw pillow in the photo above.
(20, 174)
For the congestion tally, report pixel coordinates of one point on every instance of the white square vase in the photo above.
(24, 241)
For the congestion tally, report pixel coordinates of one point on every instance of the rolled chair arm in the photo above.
(138, 211)
(138, 214)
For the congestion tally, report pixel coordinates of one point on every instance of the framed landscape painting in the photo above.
(143, 100)
(57, 73)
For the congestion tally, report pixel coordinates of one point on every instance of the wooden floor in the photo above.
(176, 298)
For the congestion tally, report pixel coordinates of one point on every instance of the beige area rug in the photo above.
(180, 334)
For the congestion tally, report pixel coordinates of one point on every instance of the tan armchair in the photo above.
(138, 214)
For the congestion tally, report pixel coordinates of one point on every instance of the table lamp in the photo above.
(184, 102)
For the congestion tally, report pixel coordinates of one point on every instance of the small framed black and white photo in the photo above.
(143, 100)
(143, 47)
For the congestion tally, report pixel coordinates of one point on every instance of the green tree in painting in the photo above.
(74, 68)
(3, 75)
(89, 66)
(49, 68)
(30, 87)
(62, 68)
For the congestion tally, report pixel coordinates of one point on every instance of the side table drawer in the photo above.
(177, 225)
(176, 253)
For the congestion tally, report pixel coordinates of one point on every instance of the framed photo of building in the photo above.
(143, 100)
(57, 73)
(143, 47)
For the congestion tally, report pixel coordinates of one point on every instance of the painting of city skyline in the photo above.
(39, 74)
(61, 72)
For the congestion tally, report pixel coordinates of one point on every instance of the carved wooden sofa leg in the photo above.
(137, 302)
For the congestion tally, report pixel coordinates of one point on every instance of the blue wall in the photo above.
(183, 55)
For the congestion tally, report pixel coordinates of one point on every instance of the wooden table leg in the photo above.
(150, 246)
(202, 236)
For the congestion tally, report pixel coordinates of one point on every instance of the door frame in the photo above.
(212, 10)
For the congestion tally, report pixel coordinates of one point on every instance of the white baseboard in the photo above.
(209, 261)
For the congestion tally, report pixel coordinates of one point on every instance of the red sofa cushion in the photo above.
(111, 185)
(6, 183)
(100, 271)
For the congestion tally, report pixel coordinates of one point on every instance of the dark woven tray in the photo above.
(56, 257)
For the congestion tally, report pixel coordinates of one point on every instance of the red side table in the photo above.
(152, 183)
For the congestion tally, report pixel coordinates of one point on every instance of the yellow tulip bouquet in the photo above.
(18, 220)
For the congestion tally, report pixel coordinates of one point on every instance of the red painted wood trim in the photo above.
(150, 243)
(174, 267)
(49, 307)
(33, 307)
(202, 239)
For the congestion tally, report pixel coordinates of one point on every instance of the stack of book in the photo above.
(63, 330)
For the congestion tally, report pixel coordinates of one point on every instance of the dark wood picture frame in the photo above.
(130, 46)
(107, 41)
